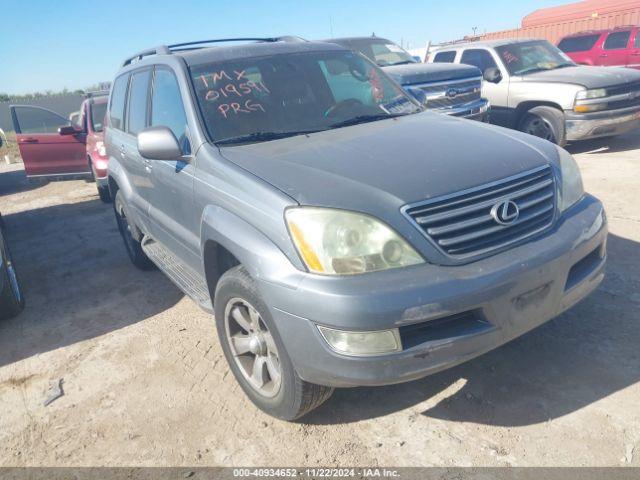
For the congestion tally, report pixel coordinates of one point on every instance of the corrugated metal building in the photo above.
(555, 22)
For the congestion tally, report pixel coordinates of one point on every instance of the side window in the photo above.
(166, 105)
(37, 120)
(444, 57)
(118, 96)
(478, 58)
(617, 40)
(578, 44)
(137, 104)
(637, 42)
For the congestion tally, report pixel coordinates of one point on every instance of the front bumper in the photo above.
(601, 124)
(513, 292)
(476, 110)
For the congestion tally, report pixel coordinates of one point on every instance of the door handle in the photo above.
(123, 152)
(604, 54)
(29, 140)
(635, 54)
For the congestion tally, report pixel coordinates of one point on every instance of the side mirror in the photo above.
(158, 143)
(492, 75)
(69, 130)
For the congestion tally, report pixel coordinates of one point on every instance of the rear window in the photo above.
(617, 40)
(118, 96)
(444, 57)
(98, 111)
(578, 44)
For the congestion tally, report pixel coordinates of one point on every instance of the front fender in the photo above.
(257, 253)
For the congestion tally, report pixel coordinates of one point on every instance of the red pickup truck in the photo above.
(617, 47)
(52, 147)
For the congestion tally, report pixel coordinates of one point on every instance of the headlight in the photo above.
(362, 343)
(337, 242)
(588, 94)
(101, 150)
(571, 190)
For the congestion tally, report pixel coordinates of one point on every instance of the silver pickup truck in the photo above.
(450, 89)
(534, 87)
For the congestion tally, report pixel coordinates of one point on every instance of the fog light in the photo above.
(362, 343)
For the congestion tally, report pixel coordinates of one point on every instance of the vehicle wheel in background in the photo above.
(11, 297)
(545, 122)
(104, 194)
(255, 353)
(131, 235)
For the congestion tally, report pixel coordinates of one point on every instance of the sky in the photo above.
(53, 44)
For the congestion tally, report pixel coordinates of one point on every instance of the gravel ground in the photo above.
(145, 381)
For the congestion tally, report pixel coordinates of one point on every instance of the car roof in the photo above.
(355, 39)
(216, 52)
(487, 43)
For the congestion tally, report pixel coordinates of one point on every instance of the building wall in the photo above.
(556, 22)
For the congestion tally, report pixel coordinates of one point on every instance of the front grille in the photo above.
(623, 88)
(441, 95)
(463, 226)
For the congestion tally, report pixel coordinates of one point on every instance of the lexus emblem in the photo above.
(505, 212)
(452, 93)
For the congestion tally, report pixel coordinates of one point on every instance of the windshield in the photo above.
(264, 98)
(98, 111)
(529, 57)
(383, 52)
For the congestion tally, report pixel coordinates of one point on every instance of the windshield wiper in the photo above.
(262, 136)
(403, 62)
(365, 118)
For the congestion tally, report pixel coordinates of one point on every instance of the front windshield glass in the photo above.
(383, 52)
(263, 98)
(529, 57)
(98, 111)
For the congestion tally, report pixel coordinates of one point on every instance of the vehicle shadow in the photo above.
(584, 355)
(14, 181)
(77, 279)
(623, 143)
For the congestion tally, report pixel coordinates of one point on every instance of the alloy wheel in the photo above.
(253, 347)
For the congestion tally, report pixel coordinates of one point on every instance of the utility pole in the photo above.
(331, 25)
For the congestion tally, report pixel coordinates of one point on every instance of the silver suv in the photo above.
(534, 87)
(341, 235)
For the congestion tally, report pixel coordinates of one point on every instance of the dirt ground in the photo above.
(145, 382)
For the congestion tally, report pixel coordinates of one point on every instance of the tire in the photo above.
(545, 122)
(289, 397)
(104, 194)
(11, 297)
(131, 235)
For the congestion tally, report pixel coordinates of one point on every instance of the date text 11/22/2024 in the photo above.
(236, 86)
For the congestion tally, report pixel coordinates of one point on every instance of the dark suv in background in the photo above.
(444, 88)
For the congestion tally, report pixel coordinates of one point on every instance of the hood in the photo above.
(378, 167)
(588, 77)
(415, 73)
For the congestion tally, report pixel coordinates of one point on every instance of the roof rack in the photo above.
(178, 47)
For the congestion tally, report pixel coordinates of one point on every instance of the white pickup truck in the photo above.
(534, 87)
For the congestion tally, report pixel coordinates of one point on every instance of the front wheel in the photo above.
(545, 122)
(11, 297)
(255, 353)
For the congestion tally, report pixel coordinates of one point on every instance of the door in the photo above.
(174, 220)
(496, 93)
(138, 168)
(44, 151)
(615, 49)
(634, 53)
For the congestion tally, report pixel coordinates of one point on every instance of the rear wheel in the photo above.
(11, 297)
(255, 353)
(545, 122)
(130, 235)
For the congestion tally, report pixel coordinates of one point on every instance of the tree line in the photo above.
(7, 97)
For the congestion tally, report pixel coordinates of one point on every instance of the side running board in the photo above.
(188, 280)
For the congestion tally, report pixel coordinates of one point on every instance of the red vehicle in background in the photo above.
(52, 147)
(617, 47)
